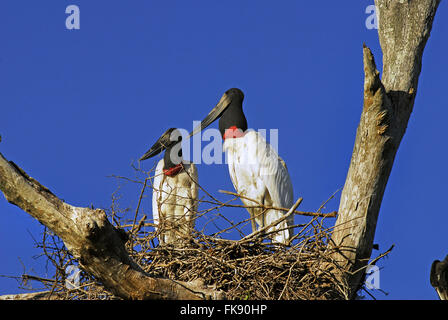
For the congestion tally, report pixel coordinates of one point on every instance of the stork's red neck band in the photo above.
(174, 170)
(233, 132)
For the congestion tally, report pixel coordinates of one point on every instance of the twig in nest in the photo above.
(259, 205)
(261, 231)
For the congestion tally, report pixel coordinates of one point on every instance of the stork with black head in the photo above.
(175, 190)
(256, 170)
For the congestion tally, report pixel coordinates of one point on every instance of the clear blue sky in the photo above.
(80, 105)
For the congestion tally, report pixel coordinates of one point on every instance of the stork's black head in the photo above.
(229, 106)
(233, 117)
(235, 94)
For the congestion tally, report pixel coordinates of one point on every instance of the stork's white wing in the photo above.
(157, 189)
(174, 202)
(275, 176)
(271, 169)
(257, 172)
(191, 185)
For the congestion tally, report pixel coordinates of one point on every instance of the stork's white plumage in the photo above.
(260, 174)
(174, 202)
(175, 190)
(256, 170)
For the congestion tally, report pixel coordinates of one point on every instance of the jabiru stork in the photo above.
(439, 277)
(175, 190)
(256, 170)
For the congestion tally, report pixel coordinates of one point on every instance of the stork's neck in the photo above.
(233, 120)
(174, 170)
(172, 162)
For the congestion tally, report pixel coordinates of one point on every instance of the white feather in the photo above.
(257, 172)
(174, 202)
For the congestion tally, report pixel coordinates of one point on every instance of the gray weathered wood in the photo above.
(404, 28)
(42, 295)
(97, 244)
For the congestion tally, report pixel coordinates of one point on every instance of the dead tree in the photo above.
(93, 240)
(404, 28)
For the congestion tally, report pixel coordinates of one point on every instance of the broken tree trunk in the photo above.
(93, 240)
(404, 28)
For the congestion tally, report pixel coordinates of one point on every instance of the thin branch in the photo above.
(261, 231)
(259, 205)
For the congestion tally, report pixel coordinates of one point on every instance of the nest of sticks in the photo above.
(249, 268)
(253, 268)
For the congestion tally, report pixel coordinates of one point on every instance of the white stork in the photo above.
(256, 170)
(175, 190)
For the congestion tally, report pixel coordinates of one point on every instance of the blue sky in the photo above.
(80, 105)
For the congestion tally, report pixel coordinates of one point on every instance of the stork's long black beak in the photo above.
(155, 150)
(160, 145)
(216, 112)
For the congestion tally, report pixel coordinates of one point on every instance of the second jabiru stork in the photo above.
(256, 170)
(175, 190)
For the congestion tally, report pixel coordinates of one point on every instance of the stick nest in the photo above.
(249, 268)
(253, 268)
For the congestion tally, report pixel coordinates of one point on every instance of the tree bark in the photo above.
(43, 295)
(93, 240)
(404, 28)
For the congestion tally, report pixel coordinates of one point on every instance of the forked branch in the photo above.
(404, 28)
(97, 244)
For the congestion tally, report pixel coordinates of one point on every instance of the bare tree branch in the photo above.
(404, 28)
(98, 245)
(332, 214)
(43, 295)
